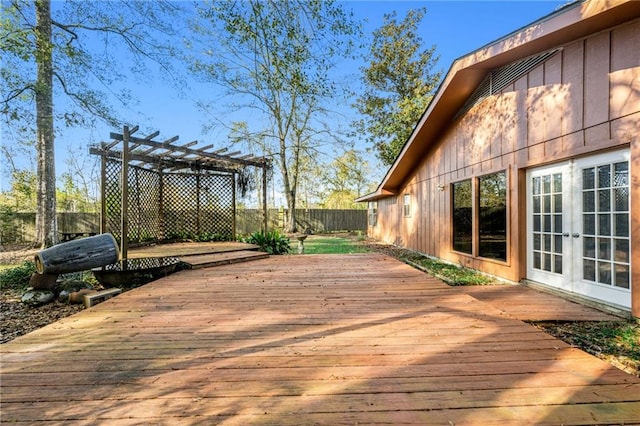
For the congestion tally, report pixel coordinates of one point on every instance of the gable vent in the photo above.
(500, 78)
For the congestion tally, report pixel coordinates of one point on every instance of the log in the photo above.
(78, 255)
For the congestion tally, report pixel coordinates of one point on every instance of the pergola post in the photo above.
(124, 219)
(265, 210)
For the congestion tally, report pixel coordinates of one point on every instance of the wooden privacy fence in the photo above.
(20, 227)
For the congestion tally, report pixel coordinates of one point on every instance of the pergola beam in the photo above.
(166, 145)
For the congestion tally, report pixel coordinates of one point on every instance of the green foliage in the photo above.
(399, 84)
(343, 181)
(452, 274)
(273, 242)
(604, 339)
(17, 277)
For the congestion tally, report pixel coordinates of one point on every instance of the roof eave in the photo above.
(570, 23)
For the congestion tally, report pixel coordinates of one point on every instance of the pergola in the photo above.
(156, 190)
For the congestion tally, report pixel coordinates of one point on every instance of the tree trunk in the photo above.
(46, 225)
(78, 255)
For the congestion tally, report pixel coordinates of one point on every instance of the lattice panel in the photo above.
(217, 214)
(180, 205)
(113, 197)
(145, 223)
(170, 205)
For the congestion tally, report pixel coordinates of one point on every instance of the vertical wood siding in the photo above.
(583, 99)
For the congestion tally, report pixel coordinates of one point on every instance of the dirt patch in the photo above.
(17, 318)
(14, 254)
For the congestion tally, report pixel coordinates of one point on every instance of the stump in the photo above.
(43, 281)
(78, 255)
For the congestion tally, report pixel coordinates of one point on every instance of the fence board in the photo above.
(20, 227)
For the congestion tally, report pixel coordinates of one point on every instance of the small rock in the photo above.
(34, 297)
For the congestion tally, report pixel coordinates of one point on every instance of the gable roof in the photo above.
(572, 22)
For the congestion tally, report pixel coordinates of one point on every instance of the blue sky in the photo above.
(455, 27)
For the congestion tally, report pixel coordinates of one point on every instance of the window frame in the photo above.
(453, 220)
(372, 214)
(406, 205)
(478, 200)
(475, 194)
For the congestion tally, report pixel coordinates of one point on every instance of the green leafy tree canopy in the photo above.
(399, 83)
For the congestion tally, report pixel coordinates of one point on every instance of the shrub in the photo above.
(17, 277)
(273, 242)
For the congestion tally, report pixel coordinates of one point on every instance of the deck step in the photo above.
(217, 259)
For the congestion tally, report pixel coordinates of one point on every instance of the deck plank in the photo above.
(305, 339)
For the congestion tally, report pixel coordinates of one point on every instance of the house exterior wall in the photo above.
(582, 100)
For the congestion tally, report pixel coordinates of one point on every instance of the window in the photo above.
(462, 216)
(487, 205)
(492, 216)
(407, 205)
(373, 213)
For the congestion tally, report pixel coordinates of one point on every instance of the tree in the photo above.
(72, 50)
(398, 83)
(344, 180)
(274, 59)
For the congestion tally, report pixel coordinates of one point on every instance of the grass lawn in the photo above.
(328, 245)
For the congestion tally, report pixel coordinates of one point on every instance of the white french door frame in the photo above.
(559, 252)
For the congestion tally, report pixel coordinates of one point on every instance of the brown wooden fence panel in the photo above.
(20, 227)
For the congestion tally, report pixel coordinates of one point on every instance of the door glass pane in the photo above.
(621, 196)
(557, 182)
(536, 241)
(622, 276)
(536, 204)
(589, 201)
(604, 272)
(589, 247)
(546, 223)
(546, 204)
(557, 223)
(621, 174)
(589, 224)
(604, 200)
(557, 244)
(604, 176)
(604, 224)
(535, 186)
(536, 223)
(557, 264)
(589, 270)
(546, 184)
(604, 248)
(588, 178)
(547, 262)
(621, 250)
(621, 225)
(557, 203)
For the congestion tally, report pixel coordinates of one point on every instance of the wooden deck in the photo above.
(357, 339)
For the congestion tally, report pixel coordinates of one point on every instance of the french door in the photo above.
(578, 227)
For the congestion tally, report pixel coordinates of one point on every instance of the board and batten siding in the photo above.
(583, 99)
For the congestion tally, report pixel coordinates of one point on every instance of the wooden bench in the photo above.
(69, 236)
